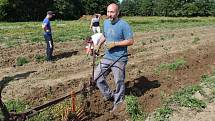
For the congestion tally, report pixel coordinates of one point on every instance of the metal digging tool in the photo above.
(78, 115)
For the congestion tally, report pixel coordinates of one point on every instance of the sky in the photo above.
(120, 0)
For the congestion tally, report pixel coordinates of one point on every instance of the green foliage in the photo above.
(167, 36)
(185, 98)
(195, 40)
(168, 7)
(14, 34)
(10, 44)
(68, 9)
(162, 114)
(132, 104)
(133, 108)
(52, 113)
(20, 61)
(39, 58)
(3, 6)
(91, 7)
(25, 10)
(130, 7)
(190, 9)
(209, 81)
(14, 105)
(142, 24)
(143, 43)
(177, 64)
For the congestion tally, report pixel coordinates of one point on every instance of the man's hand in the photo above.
(110, 45)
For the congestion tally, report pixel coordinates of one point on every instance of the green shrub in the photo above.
(177, 64)
(20, 61)
(162, 114)
(14, 105)
(133, 109)
(39, 58)
(195, 40)
(185, 97)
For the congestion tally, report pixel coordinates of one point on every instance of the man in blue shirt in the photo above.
(117, 36)
(46, 25)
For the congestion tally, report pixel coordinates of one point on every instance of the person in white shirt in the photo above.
(94, 25)
(92, 42)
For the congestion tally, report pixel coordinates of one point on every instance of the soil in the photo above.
(36, 80)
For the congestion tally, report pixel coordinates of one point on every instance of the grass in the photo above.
(140, 24)
(12, 34)
(32, 32)
(167, 37)
(209, 81)
(133, 109)
(52, 113)
(177, 64)
(163, 113)
(20, 61)
(15, 106)
(185, 98)
(39, 58)
(195, 40)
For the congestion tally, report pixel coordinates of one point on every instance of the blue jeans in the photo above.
(118, 70)
(50, 46)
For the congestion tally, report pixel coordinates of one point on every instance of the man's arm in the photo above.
(98, 46)
(120, 43)
(101, 41)
(99, 15)
(125, 42)
(44, 26)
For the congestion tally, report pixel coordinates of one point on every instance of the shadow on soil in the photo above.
(65, 55)
(4, 82)
(139, 86)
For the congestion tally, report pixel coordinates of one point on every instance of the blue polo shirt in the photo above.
(48, 25)
(116, 32)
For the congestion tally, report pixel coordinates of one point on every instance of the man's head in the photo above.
(50, 14)
(97, 16)
(112, 11)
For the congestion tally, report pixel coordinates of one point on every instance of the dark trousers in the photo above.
(50, 46)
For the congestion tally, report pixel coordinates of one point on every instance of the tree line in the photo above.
(173, 8)
(34, 10)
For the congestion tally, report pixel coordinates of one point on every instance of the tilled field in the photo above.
(71, 67)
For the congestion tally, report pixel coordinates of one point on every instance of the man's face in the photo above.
(112, 12)
(50, 16)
